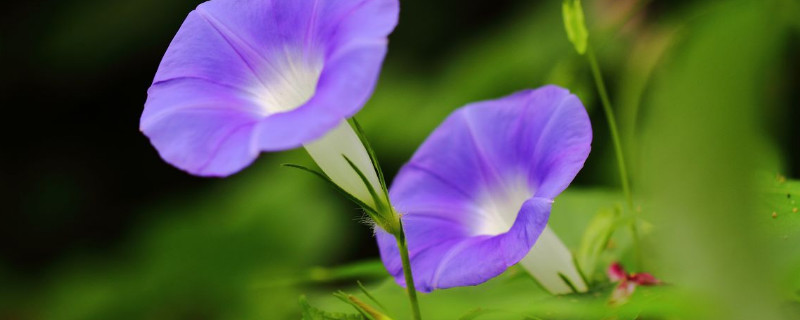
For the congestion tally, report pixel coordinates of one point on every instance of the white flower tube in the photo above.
(549, 260)
(329, 153)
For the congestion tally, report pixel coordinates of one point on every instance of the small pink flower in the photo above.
(616, 272)
(627, 282)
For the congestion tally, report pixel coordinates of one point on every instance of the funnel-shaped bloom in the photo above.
(246, 76)
(476, 195)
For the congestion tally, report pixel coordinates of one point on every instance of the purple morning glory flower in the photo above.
(477, 194)
(246, 76)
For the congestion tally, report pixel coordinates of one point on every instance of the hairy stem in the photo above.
(402, 246)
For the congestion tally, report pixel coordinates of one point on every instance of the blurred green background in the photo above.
(93, 225)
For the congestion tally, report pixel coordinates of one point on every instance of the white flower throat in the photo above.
(501, 205)
(289, 81)
(549, 258)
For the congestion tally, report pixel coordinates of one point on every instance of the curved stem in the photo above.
(402, 246)
(612, 125)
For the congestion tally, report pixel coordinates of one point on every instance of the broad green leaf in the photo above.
(782, 200)
(575, 25)
(702, 145)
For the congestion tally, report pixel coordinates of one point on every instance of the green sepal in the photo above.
(368, 209)
(372, 157)
(374, 194)
(388, 219)
(568, 282)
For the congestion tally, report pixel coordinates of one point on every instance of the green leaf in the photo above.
(782, 200)
(595, 240)
(575, 25)
(311, 313)
(778, 223)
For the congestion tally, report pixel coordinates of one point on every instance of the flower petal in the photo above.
(644, 279)
(329, 25)
(343, 88)
(543, 134)
(446, 255)
(487, 158)
(292, 68)
(616, 272)
(622, 293)
(205, 49)
(206, 135)
(475, 171)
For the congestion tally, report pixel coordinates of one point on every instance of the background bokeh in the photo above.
(94, 225)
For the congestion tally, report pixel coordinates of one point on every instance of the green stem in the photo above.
(412, 291)
(612, 125)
